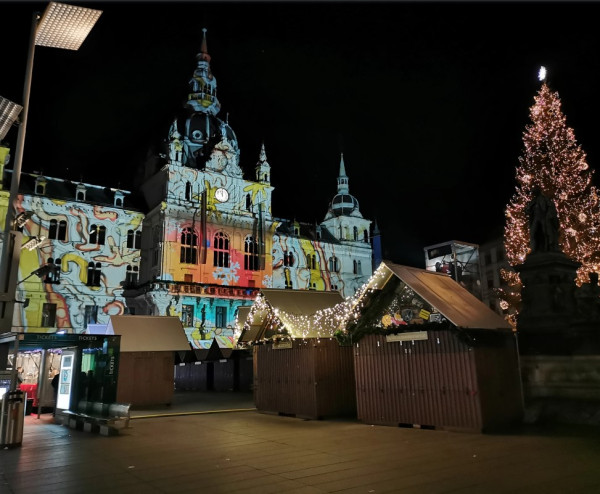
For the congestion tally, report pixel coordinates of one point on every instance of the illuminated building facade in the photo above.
(203, 245)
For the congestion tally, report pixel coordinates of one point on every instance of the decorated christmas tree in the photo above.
(554, 163)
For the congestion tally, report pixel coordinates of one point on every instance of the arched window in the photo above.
(355, 231)
(311, 261)
(248, 202)
(288, 278)
(251, 254)
(334, 264)
(221, 250)
(57, 230)
(131, 276)
(81, 196)
(97, 234)
(53, 229)
(357, 269)
(288, 258)
(130, 239)
(62, 230)
(94, 274)
(188, 191)
(189, 246)
(366, 236)
(138, 240)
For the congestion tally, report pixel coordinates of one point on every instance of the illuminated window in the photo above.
(48, 315)
(221, 250)
(94, 273)
(97, 234)
(131, 276)
(189, 246)
(251, 254)
(187, 315)
(287, 278)
(91, 315)
(220, 317)
(57, 230)
(288, 258)
(334, 264)
(53, 276)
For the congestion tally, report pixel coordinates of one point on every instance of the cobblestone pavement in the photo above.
(217, 443)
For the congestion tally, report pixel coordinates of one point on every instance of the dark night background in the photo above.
(428, 101)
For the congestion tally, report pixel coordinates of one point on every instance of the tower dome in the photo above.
(343, 203)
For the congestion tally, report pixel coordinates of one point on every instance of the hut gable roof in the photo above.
(452, 300)
(149, 333)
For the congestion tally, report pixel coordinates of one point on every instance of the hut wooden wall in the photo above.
(145, 378)
(313, 379)
(440, 383)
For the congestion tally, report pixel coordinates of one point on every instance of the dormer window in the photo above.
(40, 186)
(119, 199)
(80, 193)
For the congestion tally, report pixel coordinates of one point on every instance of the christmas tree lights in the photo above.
(553, 162)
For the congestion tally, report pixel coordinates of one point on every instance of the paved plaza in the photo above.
(218, 443)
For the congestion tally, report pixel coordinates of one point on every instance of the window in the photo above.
(188, 191)
(53, 275)
(355, 233)
(187, 315)
(57, 230)
(334, 287)
(334, 265)
(81, 196)
(97, 234)
(251, 254)
(248, 202)
(134, 239)
(188, 278)
(91, 315)
(48, 315)
(311, 261)
(94, 274)
(357, 269)
(221, 250)
(288, 278)
(189, 247)
(366, 236)
(288, 258)
(220, 317)
(131, 276)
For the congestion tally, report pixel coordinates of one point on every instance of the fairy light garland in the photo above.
(323, 323)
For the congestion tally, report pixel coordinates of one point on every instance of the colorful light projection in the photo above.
(95, 250)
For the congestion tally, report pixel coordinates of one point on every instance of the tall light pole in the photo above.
(61, 26)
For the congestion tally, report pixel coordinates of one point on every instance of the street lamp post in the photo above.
(61, 26)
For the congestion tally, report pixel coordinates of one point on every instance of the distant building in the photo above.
(459, 260)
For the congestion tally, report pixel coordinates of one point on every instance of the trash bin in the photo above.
(11, 421)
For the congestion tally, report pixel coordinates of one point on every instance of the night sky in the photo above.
(427, 101)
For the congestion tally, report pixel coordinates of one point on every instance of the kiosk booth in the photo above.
(87, 367)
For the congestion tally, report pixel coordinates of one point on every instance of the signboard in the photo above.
(282, 344)
(412, 336)
(65, 379)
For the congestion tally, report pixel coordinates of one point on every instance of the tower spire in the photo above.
(203, 85)
(263, 169)
(342, 178)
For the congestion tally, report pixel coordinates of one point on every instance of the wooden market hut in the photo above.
(297, 374)
(427, 353)
(146, 366)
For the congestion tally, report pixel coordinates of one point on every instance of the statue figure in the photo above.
(543, 223)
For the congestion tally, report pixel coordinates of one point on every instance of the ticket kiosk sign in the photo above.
(65, 379)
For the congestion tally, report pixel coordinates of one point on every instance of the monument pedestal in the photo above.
(548, 304)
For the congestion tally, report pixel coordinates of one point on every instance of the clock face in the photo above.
(221, 195)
